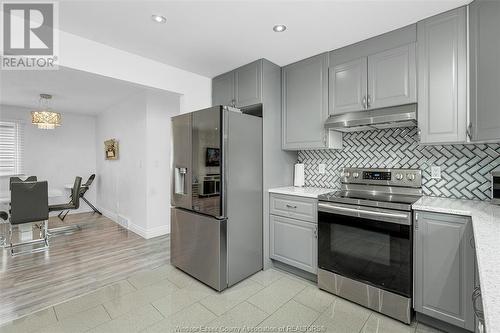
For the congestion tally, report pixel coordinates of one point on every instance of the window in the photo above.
(11, 148)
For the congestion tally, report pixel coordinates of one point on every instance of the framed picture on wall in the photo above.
(111, 149)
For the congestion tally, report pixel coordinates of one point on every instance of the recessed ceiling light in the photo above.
(279, 28)
(159, 18)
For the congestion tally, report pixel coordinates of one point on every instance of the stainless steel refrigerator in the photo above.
(216, 214)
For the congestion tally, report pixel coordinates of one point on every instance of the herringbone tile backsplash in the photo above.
(465, 169)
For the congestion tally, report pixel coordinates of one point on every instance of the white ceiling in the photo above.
(72, 90)
(212, 37)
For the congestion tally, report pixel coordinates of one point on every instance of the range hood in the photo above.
(398, 116)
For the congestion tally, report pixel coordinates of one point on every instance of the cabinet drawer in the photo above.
(304, 209)
(294, 242)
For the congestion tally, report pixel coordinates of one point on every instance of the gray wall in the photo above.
(464, 168)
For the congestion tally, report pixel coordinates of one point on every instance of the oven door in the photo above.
(366, 244)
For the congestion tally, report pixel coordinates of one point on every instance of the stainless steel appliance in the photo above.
(365, 239)
(495, 187)
(398, 116)
(217, 238)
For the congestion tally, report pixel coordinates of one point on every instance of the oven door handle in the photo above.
(400, 218)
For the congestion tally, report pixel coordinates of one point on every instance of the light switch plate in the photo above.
(435, 172)
(322, 168)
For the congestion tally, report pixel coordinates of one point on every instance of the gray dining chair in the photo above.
(83, 189)
(74, 203)
(19, 180)
(29, 203)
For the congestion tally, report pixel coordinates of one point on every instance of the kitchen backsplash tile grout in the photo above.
(465, 169)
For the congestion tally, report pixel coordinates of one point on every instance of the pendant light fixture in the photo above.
(44, 117)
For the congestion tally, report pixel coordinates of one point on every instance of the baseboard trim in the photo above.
(110, 215)
(158, 231)
(136, 229)
(149, 233)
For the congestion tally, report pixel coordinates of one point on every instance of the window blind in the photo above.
(11, 148)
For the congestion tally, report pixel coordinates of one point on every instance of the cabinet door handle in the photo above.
(476, 294)
(471, 242)
(469, 131)
(364, 102)
(290, 206)
(368, 101)
(315, 232)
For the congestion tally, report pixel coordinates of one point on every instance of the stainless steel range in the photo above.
(365, 239)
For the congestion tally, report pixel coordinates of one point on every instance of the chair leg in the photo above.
(46, 232)
(43, 238)
(91, 206)
(61, 216)
(10, 239)
(63, 229)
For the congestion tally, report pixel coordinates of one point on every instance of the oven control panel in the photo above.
(392, 177)
(377, 175)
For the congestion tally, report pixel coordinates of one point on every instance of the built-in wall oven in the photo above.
(365, 239)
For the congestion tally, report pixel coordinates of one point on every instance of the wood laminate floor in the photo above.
(99, 254)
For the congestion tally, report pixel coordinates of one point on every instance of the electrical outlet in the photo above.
(322, 169)
(435, 172)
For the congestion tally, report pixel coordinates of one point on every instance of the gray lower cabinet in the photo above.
(241, 87)
(305, 105)
(442, 77)
(304, 209)
(293, 231)
(484, 48)
(444, 268)
(294, 242)
(478, 317)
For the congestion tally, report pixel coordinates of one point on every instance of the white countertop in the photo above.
(486, 228)
(308, 192)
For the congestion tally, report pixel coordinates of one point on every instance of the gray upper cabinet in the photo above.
(442, 77)
(248, 84)
(305, 105)
(484, 23)
(376, 73)
(348, 87)
(444, 268)
(392, 77)
(241, 87)
(223, 89)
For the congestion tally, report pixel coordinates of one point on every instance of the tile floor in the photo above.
(166, 300)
